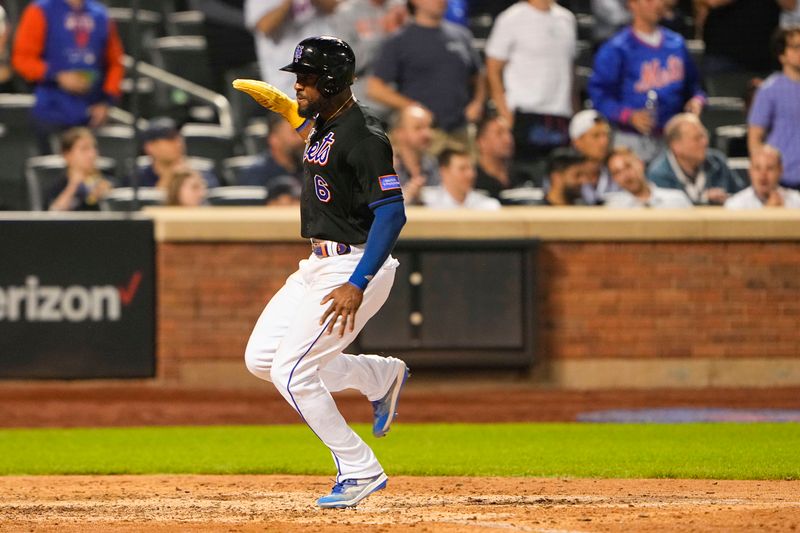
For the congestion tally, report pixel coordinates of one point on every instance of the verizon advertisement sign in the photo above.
(76, 299)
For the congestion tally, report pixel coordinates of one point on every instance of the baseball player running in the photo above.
(352, 210)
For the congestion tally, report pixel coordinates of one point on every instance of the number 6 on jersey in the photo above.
(321, 188)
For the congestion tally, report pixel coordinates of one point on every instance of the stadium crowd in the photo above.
(622, 103)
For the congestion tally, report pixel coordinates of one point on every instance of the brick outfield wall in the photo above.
(598, 300)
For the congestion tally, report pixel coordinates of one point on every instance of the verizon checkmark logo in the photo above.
(34, 302)
(126, 294)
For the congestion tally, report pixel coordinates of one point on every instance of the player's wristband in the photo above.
(292, 116)
(389, 220)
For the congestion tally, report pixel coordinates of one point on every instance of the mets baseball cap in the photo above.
(160, 128)
(583, 122)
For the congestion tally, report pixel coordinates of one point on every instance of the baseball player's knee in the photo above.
(292, 374)
(258, 362)
(280, 375)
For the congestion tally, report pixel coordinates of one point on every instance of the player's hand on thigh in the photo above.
(345, 301)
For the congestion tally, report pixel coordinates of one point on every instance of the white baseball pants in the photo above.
(291, 349)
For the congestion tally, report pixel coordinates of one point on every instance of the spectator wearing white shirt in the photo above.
(590, 133)
(766, 168)
(458, 184)
(627, 170)
(529, 66)
(278, 25)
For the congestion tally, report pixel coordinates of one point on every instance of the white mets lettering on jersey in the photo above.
(320, 151)
(322, 189)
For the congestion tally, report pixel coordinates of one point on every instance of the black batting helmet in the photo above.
(330, 58)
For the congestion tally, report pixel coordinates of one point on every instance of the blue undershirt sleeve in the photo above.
(389, 220)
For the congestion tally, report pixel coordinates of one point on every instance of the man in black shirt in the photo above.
(351, 209)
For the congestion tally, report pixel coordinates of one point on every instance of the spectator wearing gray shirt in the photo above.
(365, 25)
(432, 62)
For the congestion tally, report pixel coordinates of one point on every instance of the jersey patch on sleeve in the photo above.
(389, 182)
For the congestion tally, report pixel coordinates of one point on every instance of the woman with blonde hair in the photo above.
(83, 185)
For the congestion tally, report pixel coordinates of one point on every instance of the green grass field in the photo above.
(719, 451)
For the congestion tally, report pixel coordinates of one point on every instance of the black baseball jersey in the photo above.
(347, 172)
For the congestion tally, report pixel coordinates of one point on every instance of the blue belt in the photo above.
(324, 249)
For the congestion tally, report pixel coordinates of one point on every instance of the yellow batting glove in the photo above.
(272, 98)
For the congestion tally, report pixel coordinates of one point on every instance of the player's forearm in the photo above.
(389, 220)
(381, 92)
(788, 5)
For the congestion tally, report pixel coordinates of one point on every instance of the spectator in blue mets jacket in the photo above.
(644, 60)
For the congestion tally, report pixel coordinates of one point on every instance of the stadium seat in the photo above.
(237, 195)
(43, 172)
(733, 83)
(480, 25)
(723, 111)
(185, 23)
(17, 144)
(585, 54)
(121, 198)
(697, 49)
(148, 105)
(118, 142)
(149, 23)
(200, 164)
(586, 23)
(184, 56)
(731, 140)
(159, 6)
(210, 141)
(522, 196)
(234, 168)
(578, 6)
(741, 168)
(582, 75)
(15, 114)
(243, 107)
(255, 138)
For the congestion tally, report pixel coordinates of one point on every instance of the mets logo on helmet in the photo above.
(298, 53)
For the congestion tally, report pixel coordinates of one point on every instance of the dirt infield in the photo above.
(286, 504)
